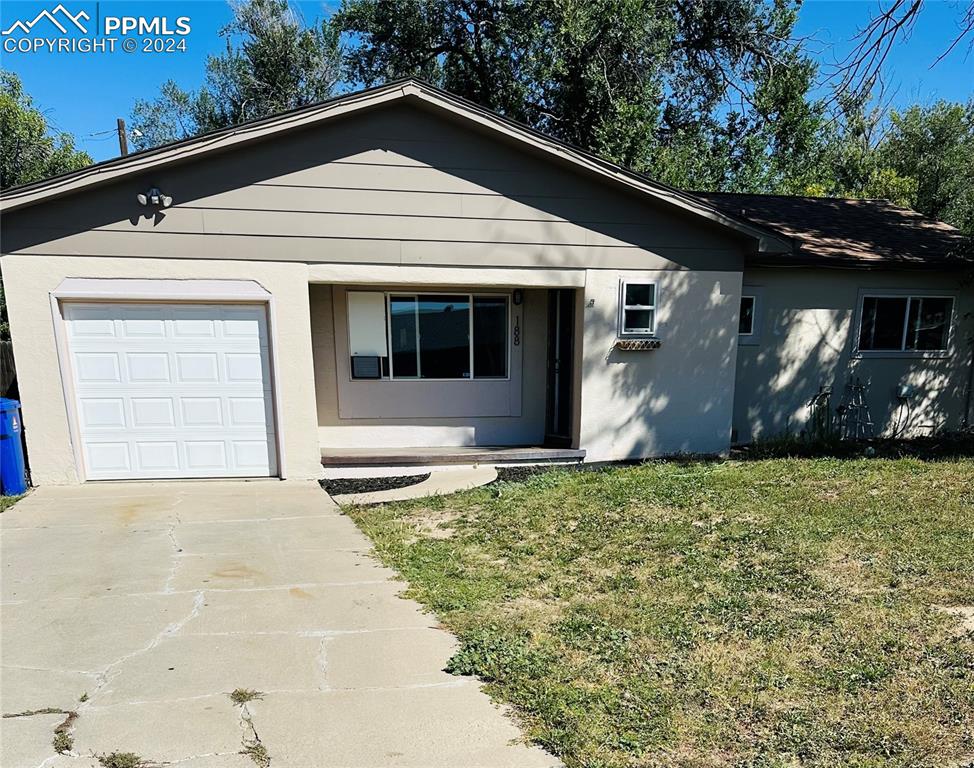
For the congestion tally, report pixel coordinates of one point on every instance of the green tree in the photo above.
(273, 62)
(934, 146)
(920, 158)
(29, 150)
(688, 90)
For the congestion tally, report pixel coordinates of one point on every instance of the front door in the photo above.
(561, 326)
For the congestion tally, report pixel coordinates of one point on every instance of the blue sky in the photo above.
(83, 93)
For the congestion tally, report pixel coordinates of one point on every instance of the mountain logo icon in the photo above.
(56, 17)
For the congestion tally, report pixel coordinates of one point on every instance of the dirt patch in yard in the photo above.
(347, 485)
(964, 615)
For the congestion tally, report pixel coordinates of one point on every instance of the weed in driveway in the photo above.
(258, 753)
(32, 712)
(121, 760)
(241, 696)
(62, 742)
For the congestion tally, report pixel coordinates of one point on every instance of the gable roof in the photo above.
(766, 239)
(848, 232)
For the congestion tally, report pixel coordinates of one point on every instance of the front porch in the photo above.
(429, 372)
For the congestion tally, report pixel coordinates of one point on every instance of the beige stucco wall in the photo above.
(475, 412)
(806, 327)
(28, 282)
(678, 398)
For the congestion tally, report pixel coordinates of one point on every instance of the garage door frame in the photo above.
(146, 291)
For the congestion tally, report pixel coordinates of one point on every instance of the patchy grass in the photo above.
(760, 613)
(6, 502)
(121, 760)
(241, 696)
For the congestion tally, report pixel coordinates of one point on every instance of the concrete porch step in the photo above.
(422, 457)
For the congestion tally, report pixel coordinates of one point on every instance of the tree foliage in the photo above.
(700, 93)
(273, 62)
(29, 150)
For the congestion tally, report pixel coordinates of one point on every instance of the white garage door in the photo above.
(172, 390)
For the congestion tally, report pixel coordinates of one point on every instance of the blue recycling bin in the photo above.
(13, 475)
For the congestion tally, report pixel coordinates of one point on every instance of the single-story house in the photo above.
(400, 274)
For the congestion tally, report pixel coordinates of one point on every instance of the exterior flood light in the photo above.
(155, 198)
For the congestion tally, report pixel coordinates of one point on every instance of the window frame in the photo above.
(908, 294)
(470, 295)
(621, 331)
(754, 316)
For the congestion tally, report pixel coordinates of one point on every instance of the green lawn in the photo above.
(771, 613)
(6, 502)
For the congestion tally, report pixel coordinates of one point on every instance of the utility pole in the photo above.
(123, 142)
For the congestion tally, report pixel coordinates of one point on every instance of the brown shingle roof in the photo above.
(849, 232)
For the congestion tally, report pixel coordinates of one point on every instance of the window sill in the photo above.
(891, 354)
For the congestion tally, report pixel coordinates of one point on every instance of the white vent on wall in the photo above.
(367, 324)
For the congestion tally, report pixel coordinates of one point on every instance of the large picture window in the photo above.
(445, 336)
(904, 323)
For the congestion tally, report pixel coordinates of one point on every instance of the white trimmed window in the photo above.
(904, 323)
(637, 311)
(428, 335)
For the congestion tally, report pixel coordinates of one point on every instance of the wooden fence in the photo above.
(7, 371)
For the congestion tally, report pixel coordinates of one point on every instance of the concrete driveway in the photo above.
(141, 607)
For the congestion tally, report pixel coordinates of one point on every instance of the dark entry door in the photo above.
(561, 327)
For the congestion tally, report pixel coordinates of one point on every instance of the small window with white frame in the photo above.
(904, 323)
(637, 313)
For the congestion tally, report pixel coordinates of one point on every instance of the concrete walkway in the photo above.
(141, 607)
(439, 483)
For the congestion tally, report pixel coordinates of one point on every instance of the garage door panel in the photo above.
(168, 391)
(92, 322)
(103, 413)
(97, 367)
(152, 412)
(249, 453)
(202, 411)
(145, 367)
(142, 323)
(157, 455)
(206, 455)
(107, 459)
(197, 367)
